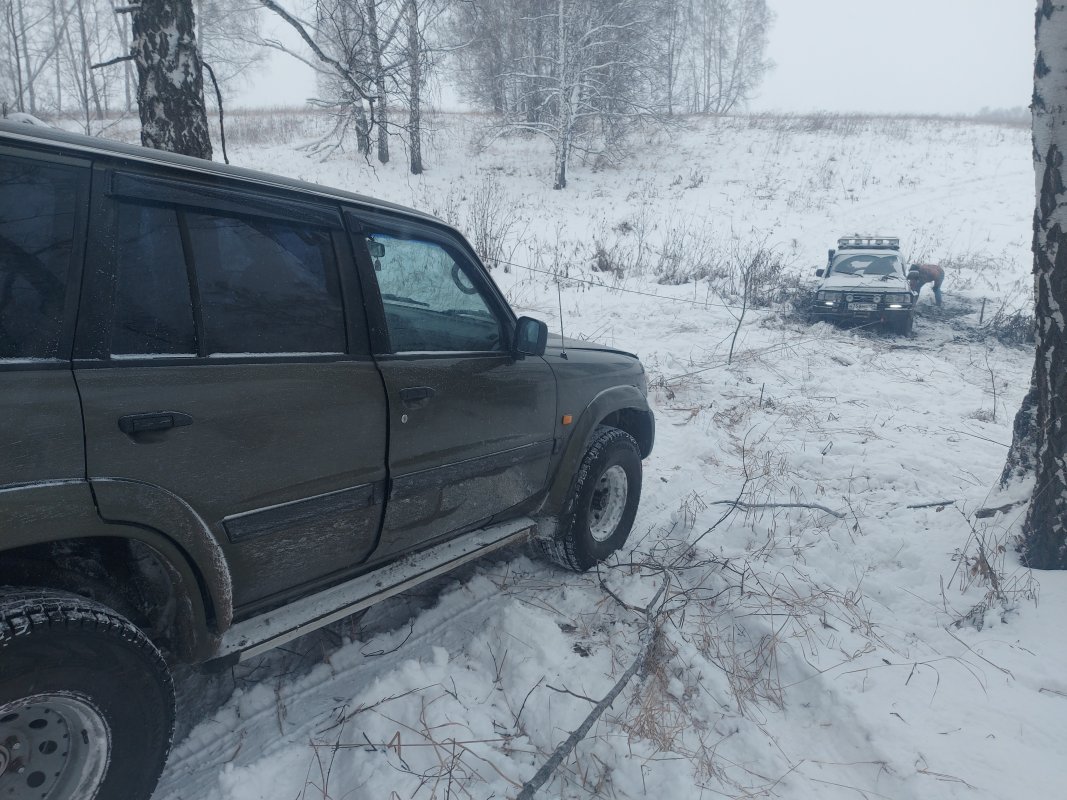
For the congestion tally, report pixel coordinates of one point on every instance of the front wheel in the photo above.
(86, 701)
(606, 493)
(903, 324)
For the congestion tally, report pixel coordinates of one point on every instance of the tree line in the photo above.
(582, 73)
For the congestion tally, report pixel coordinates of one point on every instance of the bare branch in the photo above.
(342, 72)
(742, 506)
(117, 60)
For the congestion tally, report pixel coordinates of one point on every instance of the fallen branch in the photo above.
(985, 513)
(933, 504)
(743, 506)
(530, 788)
(565, 690)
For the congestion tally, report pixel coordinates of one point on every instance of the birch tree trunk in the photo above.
(1042, 421)
(564, 111)
(13, 30)
(381, 106)
(85, 65)
(26, 62)
(170, 78)
(415, 89)
(58, 30)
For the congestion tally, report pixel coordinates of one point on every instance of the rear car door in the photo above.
(43, 202)
(470, 426)
(222, 357)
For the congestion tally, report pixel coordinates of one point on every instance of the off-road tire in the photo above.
(573, 544)
(902, 326)
(61, 654)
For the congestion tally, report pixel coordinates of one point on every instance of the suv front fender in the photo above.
(624, 407)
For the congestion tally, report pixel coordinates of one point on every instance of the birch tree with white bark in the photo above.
(1039, 447)
(170, 77)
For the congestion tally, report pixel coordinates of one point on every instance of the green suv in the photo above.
(235, 408)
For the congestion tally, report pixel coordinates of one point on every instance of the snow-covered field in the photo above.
(849, 644)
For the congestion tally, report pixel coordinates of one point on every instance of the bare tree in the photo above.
(728, 55)
(369, 53)
(32, 34)
(580, 73)
(1040, 441)
(415, 78)
(81, 49)
(375, 48)
(487, 41)
(418, 54)
(338, 43)
(673, 41)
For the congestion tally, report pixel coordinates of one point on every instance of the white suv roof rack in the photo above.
(882, 242)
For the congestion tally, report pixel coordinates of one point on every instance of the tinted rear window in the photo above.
(193, 282)
(266, 286)
(153, 307)
(38, 206)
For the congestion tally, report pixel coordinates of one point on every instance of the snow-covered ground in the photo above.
(848, 645)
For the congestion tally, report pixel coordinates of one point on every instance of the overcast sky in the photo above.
(930, 56)
(927, 56)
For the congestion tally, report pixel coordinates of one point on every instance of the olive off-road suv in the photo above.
(235, 408)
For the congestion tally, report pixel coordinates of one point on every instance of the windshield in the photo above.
(867, 264)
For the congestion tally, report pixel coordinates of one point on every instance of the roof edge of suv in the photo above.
(93, 145)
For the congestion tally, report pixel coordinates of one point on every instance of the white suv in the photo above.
(865, 282)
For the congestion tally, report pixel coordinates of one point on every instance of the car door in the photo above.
(470, 426)
(43, 202)
(223, 359)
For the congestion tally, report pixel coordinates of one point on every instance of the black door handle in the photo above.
(415, 396)
(133, 424)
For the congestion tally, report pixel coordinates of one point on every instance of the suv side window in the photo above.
(196, 282)
(431, 303)
(153, 306)
(266, 286)
(38, 209)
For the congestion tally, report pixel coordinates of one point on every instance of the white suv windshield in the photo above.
(866, 264)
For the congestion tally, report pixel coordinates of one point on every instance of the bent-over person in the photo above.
(920, 274)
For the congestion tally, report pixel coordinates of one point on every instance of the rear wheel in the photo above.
(86, 701)
(606, 493)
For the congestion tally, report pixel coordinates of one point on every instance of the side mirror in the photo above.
(531, 335)
(818, 273)
(830, 254)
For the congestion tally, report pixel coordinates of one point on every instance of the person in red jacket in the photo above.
(919, 274)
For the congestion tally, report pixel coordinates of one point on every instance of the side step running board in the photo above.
(259, 634)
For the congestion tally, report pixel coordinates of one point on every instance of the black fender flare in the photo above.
(616, 399)
(59, 510)
(146, 505)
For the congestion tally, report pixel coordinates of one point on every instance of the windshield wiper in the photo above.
(398, 299)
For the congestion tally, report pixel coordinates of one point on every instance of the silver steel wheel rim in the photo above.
(608, 503)
(52, 746)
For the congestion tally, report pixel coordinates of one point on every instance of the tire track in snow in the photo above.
(193, 769)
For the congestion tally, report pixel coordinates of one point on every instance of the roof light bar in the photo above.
(886, 242)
